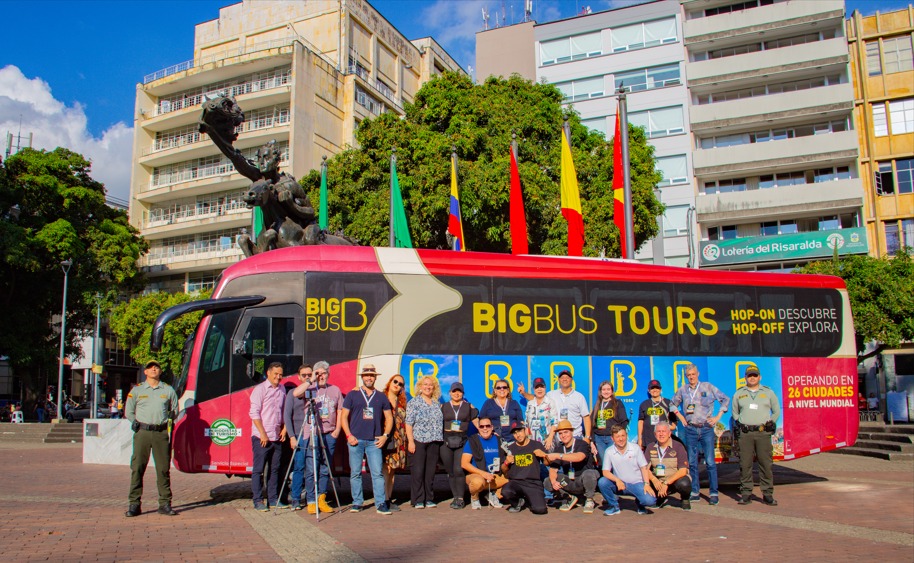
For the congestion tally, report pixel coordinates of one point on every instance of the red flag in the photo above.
(517, 216)
(619, 186)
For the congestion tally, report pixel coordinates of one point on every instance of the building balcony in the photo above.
(759, 19)
(198, 220)
(766, 64)
(827, 102)
(821, 198)
(190, 259)
(752, 159)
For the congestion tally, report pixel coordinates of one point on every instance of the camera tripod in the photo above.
(313, 419)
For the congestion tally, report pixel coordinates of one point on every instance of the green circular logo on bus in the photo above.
(223, 432)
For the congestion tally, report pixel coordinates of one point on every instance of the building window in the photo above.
(897, 54)
(880, 122)
(726, 232)
(834, 173)
(767, 89)
(726, 186)
(648, 78)
(737, 7)
(659, 122)
(901, 115)
(641, 35)
(873, 66)
(585, 89)
(674, 169)
(900, 180)
(773, 134)
(595, 124)
(571, 48)
(675, 220)
(892, 239)
(829, 223)
(763, 46)
(769, 228)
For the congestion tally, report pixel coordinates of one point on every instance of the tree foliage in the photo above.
(132, 322)
(479, 121)
(881, 292)
(61, 215)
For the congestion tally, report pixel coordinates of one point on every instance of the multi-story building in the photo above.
(882, 60)
(749, 106)
(588, 58)
(305, 73)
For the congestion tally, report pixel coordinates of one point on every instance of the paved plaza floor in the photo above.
(832, 507)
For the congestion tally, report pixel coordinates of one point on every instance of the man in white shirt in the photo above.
(572, 406)
(625, 471)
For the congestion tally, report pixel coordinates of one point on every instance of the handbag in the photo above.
(455, 440)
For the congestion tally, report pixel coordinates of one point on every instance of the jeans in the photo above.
(586, 483)
(303, 468)
(366, 448)
(602, 442)
(271, 453)
(611, 493)
(703, 439)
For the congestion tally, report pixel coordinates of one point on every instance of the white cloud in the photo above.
(54, 124)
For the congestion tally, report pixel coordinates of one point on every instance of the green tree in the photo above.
(61, 215)
(479, 120)
(132, 322)
(881, 291)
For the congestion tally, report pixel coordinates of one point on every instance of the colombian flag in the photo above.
(455, 221)
(571, 201)
(619, 186)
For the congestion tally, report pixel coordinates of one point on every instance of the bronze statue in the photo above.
(289, 218)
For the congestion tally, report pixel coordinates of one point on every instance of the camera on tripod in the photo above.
(310, 394)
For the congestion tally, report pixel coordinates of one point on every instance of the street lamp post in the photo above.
(65, 265)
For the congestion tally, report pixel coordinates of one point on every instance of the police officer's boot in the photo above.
(745, 499)
(322, 504)
(769, 500)
(133, 510)
(166, 510)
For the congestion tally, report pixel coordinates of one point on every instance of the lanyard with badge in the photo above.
(601, 415)
(368, 411)
(660, 470)
(563, 413)
(570, 464)
(504, 420)
(455, 424)
(690, 408)
(655, 409)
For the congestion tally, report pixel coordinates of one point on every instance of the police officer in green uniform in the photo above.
(755, 412)
(150, 406)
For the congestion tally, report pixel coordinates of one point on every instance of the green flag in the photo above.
(398, 227)
(322, 212)
(258, 223)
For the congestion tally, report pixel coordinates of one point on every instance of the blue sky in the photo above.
(70, 68)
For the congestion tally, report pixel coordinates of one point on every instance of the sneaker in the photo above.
(260, 506)
(589, 506)
(494, 502)
(296, 506)
(458, 504)
(475, 504)
(419, 505)
(383, 508)
(282, 505)
(356, 508)
(613, 510)
(769, 500)
(569, 504)
(745, 499)
(393, 506)
(134, 510)
(515, 508)
(662, 501)
(642, 510)
(430, 505)
(713, 501)
(687, 504)
(695, 497)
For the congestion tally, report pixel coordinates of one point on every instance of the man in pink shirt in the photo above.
(267, 434)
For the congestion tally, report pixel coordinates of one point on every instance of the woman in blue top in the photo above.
(502, 410)
(424, 432)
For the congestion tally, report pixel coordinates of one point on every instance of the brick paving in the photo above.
(831, 507)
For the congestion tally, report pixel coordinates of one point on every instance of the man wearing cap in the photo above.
(625, 471)
(457, 415)
(572, 405)
(522, 466)
(756, 410)
(669, 467)
(653, 410)
(694, 406)
(150, 407)
(268, 432)
(571, 469)
(367, 420)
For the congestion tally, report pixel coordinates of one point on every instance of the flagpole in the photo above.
(567, 129)
(393, 163)
(322, 219)
(454, 162)
(626, 175)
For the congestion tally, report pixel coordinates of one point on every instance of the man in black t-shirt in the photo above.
(571, 469)
(522, 466)
(653, 410)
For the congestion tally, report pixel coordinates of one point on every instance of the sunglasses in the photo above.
(501, 388)
(752, 375)
(320, 373)
(397, 383)
(485, 426)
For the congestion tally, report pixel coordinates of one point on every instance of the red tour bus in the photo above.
(478, 317)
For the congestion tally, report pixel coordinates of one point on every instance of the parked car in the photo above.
(81, 412)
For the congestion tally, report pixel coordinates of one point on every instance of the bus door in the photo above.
(263, 336)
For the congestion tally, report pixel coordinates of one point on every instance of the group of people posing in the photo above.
(556, 451)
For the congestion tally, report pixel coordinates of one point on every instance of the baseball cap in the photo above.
(653, 383)
(565, 372)
(752, 370)
(518, 426)
(456, 386)
(539, 381)
(151, 363)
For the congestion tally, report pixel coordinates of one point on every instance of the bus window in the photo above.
(266, 335)
(213, 376)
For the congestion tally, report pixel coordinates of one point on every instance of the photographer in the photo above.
(755, 412)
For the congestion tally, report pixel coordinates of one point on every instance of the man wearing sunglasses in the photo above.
(481, 461)
(756, 410)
